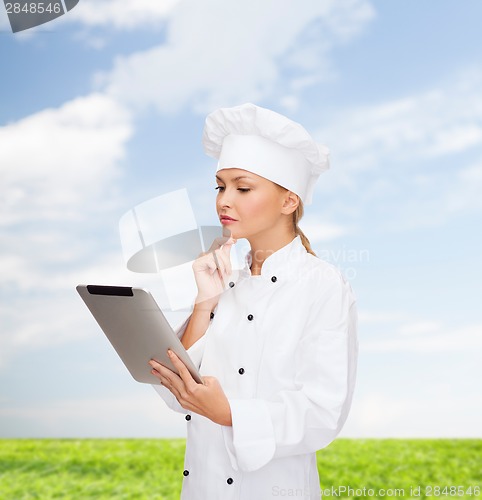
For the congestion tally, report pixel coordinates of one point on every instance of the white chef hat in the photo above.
(267, 144)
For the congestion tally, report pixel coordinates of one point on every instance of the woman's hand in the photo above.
(210, 279)
(207, 399)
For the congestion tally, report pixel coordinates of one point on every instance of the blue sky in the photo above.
(103, 109)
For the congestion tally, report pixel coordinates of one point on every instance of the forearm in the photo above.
(198, 324)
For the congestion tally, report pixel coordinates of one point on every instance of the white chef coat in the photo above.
(284, 347)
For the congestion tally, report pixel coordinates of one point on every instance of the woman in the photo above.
(277, 348)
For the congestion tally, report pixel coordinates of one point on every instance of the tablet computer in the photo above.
(136, 328)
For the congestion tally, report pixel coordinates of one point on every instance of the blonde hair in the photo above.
(297, 215)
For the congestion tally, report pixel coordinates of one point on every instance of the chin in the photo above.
(236, 234)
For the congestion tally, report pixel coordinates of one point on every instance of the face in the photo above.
(256, 204)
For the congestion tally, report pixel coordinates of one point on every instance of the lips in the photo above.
(225, 217)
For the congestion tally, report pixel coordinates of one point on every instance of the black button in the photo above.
(274, 279)
(250, 317)
(241, 371)
(231, 284)
(230, 480)
(186, 473)
(212, 315)
(188, 417)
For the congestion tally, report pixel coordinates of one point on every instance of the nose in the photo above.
(223, 200)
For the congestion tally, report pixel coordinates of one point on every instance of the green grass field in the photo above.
(152, 469)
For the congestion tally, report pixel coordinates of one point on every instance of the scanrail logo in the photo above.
(28, 14)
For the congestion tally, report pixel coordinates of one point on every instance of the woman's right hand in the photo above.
(210, 280)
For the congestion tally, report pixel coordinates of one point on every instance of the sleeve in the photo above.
(310, 416)
(196, 353)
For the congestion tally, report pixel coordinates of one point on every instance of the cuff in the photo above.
(179, 330)
(250, 442)
(196, 351)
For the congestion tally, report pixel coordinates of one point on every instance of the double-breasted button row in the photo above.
(230, 480)
(211, 315)
(241, 371)
(188, 417)
(231, 284)
(250, 316)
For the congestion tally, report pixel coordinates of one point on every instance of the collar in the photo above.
(279, 262)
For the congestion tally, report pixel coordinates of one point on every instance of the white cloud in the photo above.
(125, 15)
(369, 416)
(420, 328)
(374, 317)
(51, 320)
(472, 173)
(416, 158)
(40, 317)
(404, 131)
(121, 14)
(427, 337)
(54, 162)
(318, 231)
(46, 311)
(57, 166)
(220, 52)
(398, 331)
(290, 102)
(441, 412)
(58, 169)
(17, 270)
(139, 412)
(464, 194)
(438, 197)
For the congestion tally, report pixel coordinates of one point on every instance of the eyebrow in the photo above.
(236, 178)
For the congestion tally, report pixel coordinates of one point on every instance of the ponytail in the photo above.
(297, 215)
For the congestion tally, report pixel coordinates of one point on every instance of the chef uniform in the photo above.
(282, 344)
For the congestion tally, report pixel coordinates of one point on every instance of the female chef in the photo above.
(277, 347)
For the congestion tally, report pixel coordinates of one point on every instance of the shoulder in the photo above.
(319, 272)
(323, 279)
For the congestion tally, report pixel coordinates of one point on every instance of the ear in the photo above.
(290, 204)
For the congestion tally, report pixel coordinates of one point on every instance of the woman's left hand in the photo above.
(207, 399)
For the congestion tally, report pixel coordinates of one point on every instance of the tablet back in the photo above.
(136, 328)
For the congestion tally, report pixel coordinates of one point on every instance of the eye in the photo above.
(221, 189)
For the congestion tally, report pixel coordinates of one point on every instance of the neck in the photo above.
(265, 245)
